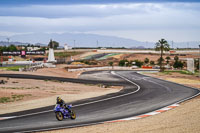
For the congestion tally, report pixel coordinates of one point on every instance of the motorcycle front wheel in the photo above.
(73, 115)
(59, 116)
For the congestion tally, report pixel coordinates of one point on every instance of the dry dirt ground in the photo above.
(183, 119)
(59, 71)
(23, 94)
(134, 56)
(153, 57)
(187, 80)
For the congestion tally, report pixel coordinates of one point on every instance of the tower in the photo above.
(51, 57)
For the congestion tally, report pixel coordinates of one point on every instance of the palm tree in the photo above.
(162, 45)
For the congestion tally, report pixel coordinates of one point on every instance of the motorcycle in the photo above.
(62, 113)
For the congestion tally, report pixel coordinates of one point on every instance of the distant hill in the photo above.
(4, 43)
(74, 39)
(86, 40)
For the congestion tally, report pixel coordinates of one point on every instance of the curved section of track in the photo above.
(141, 94)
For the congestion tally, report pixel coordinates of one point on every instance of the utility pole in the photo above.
(74, 43)
(172, 44)
(199, 60)
(74, 46)
(8, 40)
(97, 43)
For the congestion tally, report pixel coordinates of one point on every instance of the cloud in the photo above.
(91, 10)
(75, 2)
(153, 18)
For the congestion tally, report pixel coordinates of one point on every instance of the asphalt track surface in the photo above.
(141, 94)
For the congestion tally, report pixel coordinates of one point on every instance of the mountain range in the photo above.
(83, 40)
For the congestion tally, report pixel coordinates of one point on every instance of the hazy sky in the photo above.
(140, 20)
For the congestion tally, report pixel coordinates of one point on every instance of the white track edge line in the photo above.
(177, 104)
(112, 72)
(129, 118)
(174, 104)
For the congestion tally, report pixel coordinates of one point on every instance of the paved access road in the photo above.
(141, 94)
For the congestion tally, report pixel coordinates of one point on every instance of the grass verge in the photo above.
(169, 72)
(13, 98)
(11, 68)
(66, 54)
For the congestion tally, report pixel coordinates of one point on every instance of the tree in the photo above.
(177, 63)
(146, 60)
(111, 63)
(4, 48)
(196, 64)
(162, 45)
(53, 44)
(160, 60)
(42, 48)
(9, 48)
(122, 62)
(1, 49)
(176, 58)
(167, 58)
(152, 63)
(138, 63)
(12, 48)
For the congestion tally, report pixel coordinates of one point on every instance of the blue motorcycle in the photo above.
(62, 113)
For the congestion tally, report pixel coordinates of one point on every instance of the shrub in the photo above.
(178, 64)
(152, 63)
(138, 63)
(146, 60)
(110, 63)
(4, 99)
(122, 62)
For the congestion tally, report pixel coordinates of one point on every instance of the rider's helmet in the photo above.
(59, 99)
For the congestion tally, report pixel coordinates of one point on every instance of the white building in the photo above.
(33, 48)
(67, 47)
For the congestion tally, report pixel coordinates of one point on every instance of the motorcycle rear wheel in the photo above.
(59, 116)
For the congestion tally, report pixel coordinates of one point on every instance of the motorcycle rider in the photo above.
(62, 103)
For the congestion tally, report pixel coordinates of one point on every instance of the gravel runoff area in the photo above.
(183, 119)
(27, 94)
(24, 94)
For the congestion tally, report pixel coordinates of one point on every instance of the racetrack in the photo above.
(141, 94)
